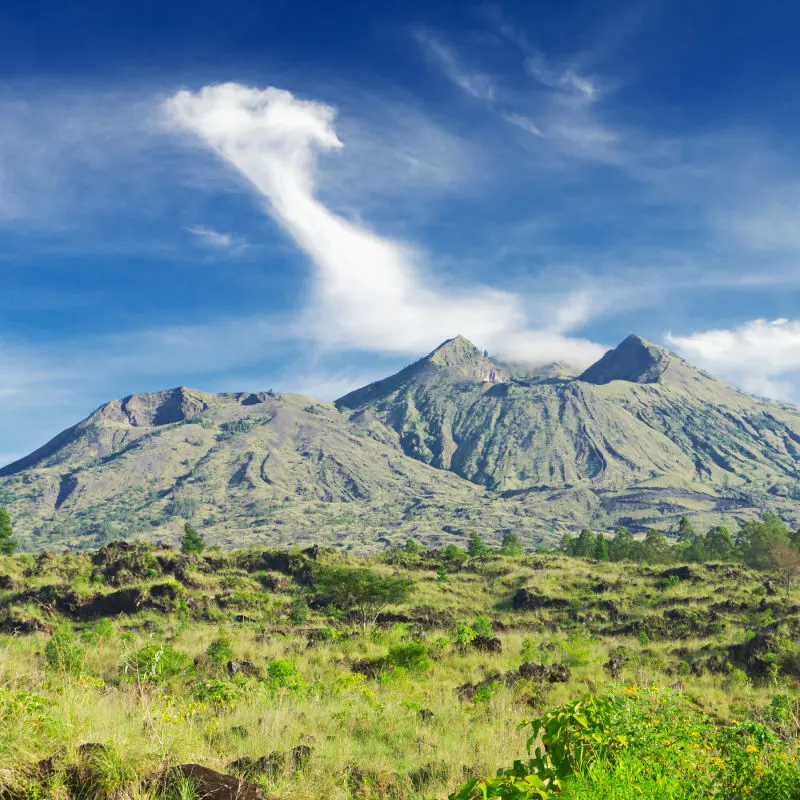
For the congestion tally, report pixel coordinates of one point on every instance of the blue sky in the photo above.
(305, 196)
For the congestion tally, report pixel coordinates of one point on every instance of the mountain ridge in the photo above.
(454, 440)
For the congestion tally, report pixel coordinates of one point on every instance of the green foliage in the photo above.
(220, 651)
(641, 743)
(218, 693)
(483, 626)
(283, 674)
(63, 653)
(192, 542)
(462, 635)
(8, 544)
(236, 426)
(757, 538)
(601, 548)
(477, 548)
(412, 657)
(360, 590)
(298, 611)
(585, 544)
(511, 545)
(441, 574)
(685, 529)
(182, 507)
(452, 552)
(155, 663)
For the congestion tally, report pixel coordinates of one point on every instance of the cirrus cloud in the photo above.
(368, 292)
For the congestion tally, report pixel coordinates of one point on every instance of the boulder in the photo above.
(487, 644)
(212, 785)
(246, 668)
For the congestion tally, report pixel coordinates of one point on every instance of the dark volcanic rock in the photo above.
(526, 600)
(123, 601)
(246, 668)
(684, 573)
(487, 644)
(212, 785)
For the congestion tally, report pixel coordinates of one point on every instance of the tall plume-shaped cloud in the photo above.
(369, 292)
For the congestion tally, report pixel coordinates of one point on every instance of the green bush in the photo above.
(155, 663)
(63, 653)
(636, 742)
(220, 651)
(282, 674)
(483, 626)
(298, 612)
(412, 656)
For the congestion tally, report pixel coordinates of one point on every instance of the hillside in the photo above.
(454, 442)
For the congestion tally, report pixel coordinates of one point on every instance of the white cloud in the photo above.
(368, 292)
(212, 238)
(523, 122)
(760, 356)
(567, 80)
(476, 84)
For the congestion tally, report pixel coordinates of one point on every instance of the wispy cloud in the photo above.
(761, 356)
(476, 84)
(369, 292)
(567, 80)
(523, 122)
(215, 239)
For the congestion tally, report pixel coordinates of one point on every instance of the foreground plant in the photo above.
(644, 743)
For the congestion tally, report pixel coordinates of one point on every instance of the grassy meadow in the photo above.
(120, 666)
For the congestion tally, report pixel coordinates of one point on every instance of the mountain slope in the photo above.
(454, 442)
(641, 423)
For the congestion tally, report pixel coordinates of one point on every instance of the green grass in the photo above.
(153, 689)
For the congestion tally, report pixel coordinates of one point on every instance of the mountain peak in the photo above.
(460, 355)
(634, 360)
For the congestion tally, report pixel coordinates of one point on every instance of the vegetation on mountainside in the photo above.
(140, 672)
(766, 544)
(454, 442)
(8, 544)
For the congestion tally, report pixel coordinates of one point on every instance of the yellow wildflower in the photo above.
(751, 749)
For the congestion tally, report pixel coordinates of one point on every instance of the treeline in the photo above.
(766, 544)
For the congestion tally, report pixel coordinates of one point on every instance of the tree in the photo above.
(412, 547)
(585, 544)
(719, 544)
(567, 545)
(656, 549)
(622, 546)
(786, 560)
(8, 544)
(757, 538)
(192, 541)
(452, 552)
(511, 545)
(685, 529)
(476, 547)
(601, 548)
(360, 590)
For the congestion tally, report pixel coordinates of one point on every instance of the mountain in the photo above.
(454, 442)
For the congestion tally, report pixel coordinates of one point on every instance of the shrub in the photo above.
(155, 663)
(463, 635)
(641, 743)
(62, 653)
(412, 656)
(298, 612)
(220, 651)
(282, 674)
(483, 626)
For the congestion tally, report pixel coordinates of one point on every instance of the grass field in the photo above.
(118, 666)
